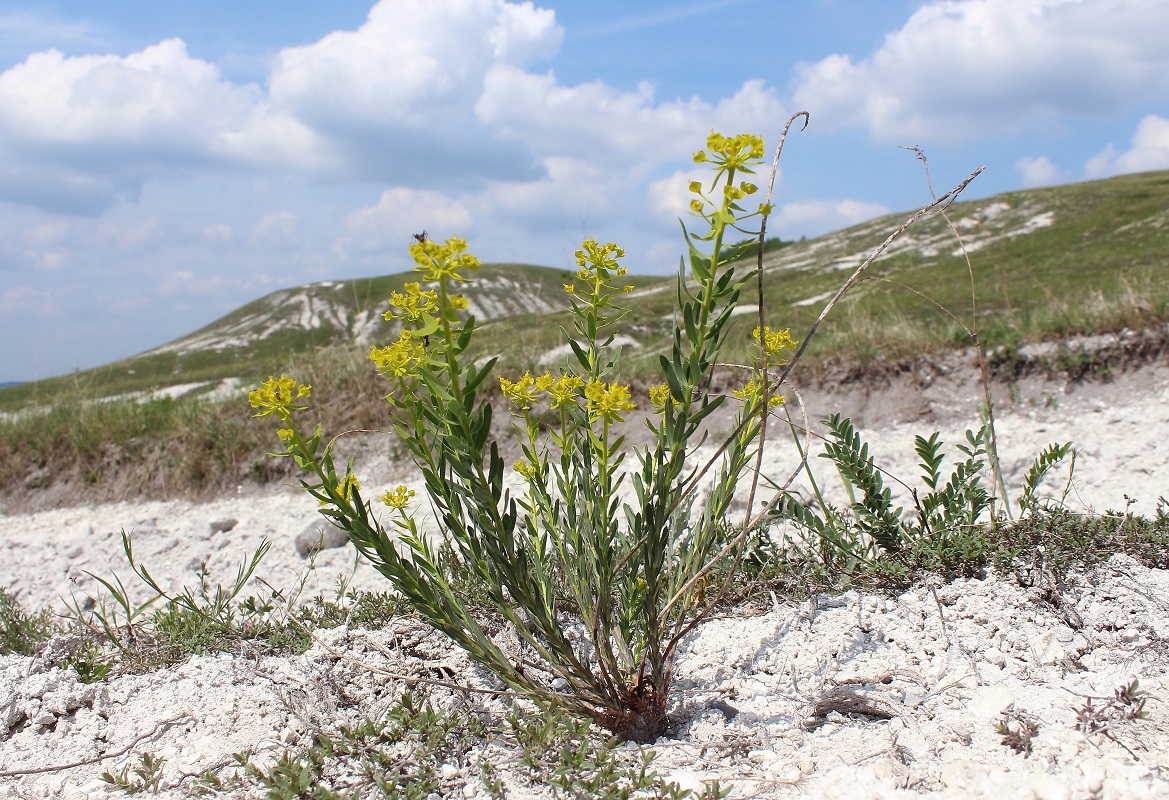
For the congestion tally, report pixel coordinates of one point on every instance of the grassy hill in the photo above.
(260, 336)
(1076, 259)
(1049, 264)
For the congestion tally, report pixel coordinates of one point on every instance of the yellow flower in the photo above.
(521, 392)
(752, 393)
(774, 341)
(696, 187)
(278, 396)
(349, 484)
(696, 206)
(458, 302)
(598, 259)
(570, 288)
(607, 401)
(285, 434)
(525, 469)
(438, 261)
(413, 304)
(398, 498)
(731, 152)
(564, 390)
(399, 359)
(659, 395)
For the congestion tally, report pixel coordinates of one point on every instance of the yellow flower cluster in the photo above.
(525, 469)
(443, 261)
(608, 401)
(400, 359)
(561, 391)
(522, 392)
(731, 152)
(398, 498)
(599, 258)
(659, 396)
(414, 304)
(598, 264)
(753, 393)
(278, 396)
(775, 342)
(349, 484)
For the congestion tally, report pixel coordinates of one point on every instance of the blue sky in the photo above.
(163, 163)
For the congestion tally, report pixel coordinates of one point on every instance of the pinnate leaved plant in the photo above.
(593, 551)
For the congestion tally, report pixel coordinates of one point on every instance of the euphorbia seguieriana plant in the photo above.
(598, 581)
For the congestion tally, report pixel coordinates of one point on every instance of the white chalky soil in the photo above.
(934, 668)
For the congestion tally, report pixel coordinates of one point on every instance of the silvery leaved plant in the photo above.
(597, 560)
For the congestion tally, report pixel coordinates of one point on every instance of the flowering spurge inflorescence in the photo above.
(573, 550)
(278, 396)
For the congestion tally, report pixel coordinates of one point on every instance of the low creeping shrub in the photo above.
(949, 530)
(20, 631)
(420, 749)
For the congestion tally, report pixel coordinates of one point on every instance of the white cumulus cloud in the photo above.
(274, 227)
(814, 217)
(1039, 171)
(596, 121)
(958, 69)
(77, 131)
(400, 213)
(1149, 150)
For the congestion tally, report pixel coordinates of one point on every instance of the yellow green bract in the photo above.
(775, 342)
(447, 260)
(608, 401)
(562, 390)
(413, 304)
(278, 396)
(400, 359)
(752, 393)
(398, 498)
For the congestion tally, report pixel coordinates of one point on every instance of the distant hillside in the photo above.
(1052, 262)
(259, 335)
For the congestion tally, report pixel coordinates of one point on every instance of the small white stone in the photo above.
(990, 701)
(684, 780)
(449, 772)
(1044, 649)
(791, 774)
(958, 774)
(762, 756)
